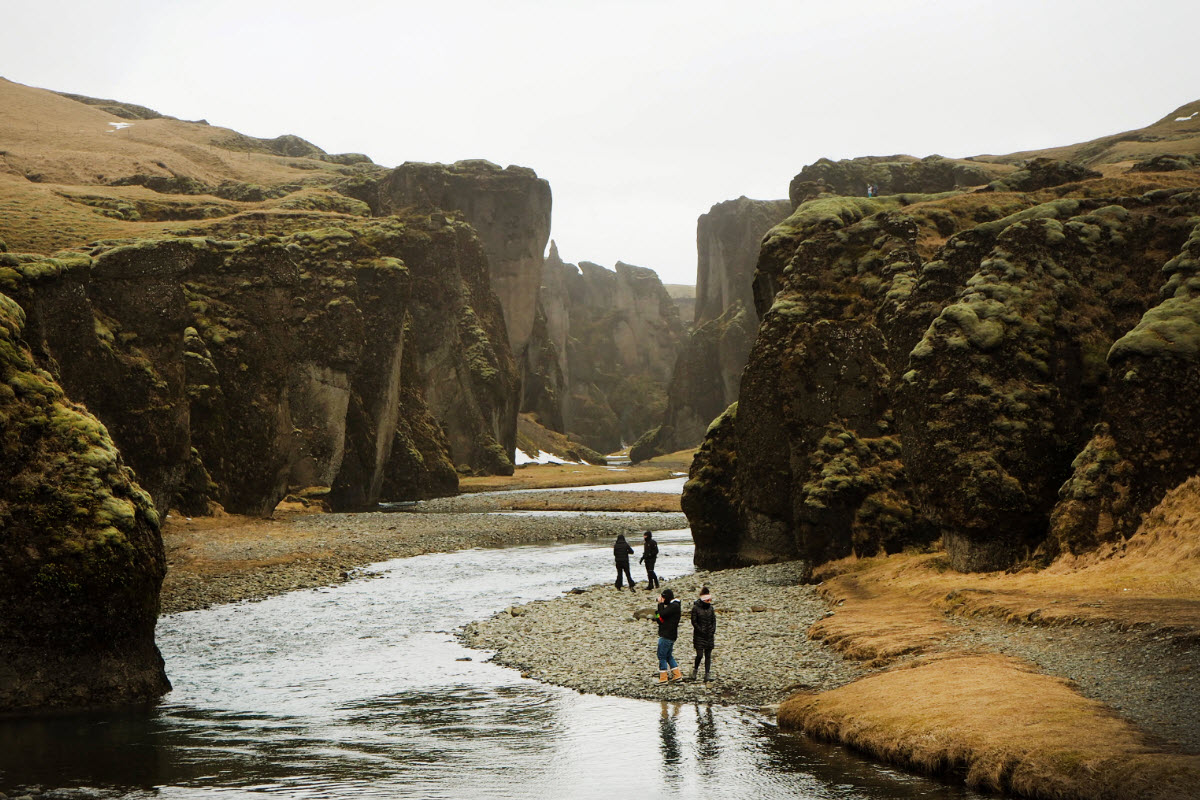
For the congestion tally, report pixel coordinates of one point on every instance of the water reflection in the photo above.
(360, 691)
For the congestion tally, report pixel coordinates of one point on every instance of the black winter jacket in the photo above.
(704, 625)
(668, 619)
(649, 552)
(621, 552)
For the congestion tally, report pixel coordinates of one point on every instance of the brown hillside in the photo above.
(1176, 133)
(52, 147)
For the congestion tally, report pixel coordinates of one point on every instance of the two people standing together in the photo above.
(621, 553)
(704, 634)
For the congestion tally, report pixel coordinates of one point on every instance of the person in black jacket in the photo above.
(704, 632)
(649, 556)
(669, 612)
(621, 552)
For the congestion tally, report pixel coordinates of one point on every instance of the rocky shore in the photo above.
(602, 640)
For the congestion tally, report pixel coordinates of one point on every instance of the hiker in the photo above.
(621, 552)
(649, 556)
(704, 632)
(669, 612)
(870, 190)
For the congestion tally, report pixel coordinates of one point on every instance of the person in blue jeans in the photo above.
(669, 612)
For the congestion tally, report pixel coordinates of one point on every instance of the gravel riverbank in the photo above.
(594, 641)
(226, 559)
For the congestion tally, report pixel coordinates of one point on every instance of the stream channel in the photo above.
(363, 690)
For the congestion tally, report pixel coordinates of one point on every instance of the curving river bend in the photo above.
(363, 691)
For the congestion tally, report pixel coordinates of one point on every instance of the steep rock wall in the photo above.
(294, 349)
(707, 375)
(936, 366)
(509, 208)
(624, 337)
(81, 559)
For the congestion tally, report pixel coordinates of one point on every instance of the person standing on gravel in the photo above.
(621, 552)
(649, 556)
(704, 632)
(669, 612)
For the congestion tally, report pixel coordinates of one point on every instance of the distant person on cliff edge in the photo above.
(704, 632)
(669, 612)
(621, 552)
(649, 556)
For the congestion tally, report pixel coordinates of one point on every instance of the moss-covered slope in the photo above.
(935, 365)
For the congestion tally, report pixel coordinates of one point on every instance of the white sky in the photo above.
(641, 114)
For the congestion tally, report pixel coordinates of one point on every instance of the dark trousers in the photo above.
(651, 575)
(706, 654)
(623, 568)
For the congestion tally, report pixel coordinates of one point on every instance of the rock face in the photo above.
(1001, 370)
(621, 333)
(81, 559)
(509, 208)
(892, 174)
(327, 354)
(707, 375)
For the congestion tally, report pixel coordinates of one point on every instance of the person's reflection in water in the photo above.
(669, 744)
(708, 746)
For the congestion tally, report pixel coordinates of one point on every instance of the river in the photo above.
(363, 690)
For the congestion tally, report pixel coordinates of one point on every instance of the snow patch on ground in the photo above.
(116, 126)
(1185, 119)
(542, 458)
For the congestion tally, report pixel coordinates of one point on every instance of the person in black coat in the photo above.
(704, 632)
(621, 552)
(669, 612)
(649, 556)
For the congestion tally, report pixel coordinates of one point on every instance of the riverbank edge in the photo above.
(965, 727)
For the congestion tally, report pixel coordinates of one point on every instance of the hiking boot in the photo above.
(676, 674)
(662, 677)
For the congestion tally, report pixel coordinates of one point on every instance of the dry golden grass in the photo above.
(877, 628)
(990, 718)
(1151, 580)
(1001, 725)
(679, 461)
(551, 476)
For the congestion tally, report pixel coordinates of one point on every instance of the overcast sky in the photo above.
(642, 115)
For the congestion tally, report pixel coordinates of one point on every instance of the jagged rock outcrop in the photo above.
(366, 357)
(706, 377)
(1003, 374)
(624, 336)
(81, 559)
(892, 174)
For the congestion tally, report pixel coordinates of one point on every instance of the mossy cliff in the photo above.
(81, 559)
(269, 362)
(939, 366)
(707, 375)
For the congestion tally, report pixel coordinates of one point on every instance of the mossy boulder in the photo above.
(81, 559)
(1042, 173)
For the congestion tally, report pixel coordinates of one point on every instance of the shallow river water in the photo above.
(363, 690)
